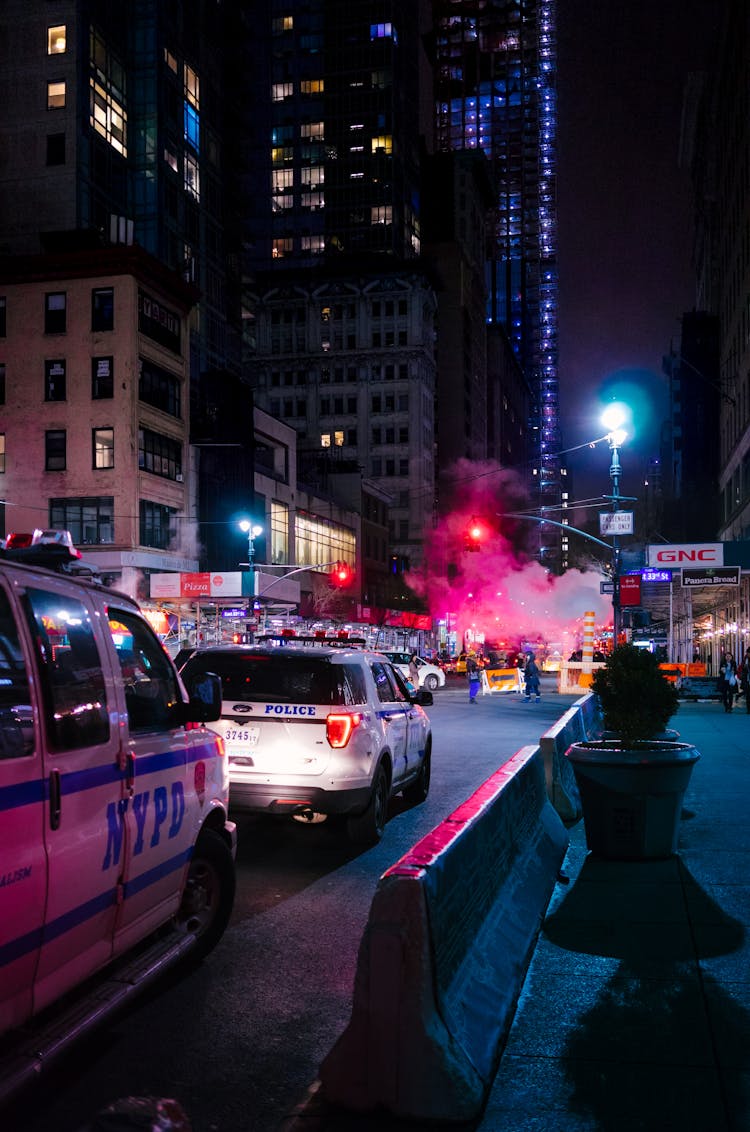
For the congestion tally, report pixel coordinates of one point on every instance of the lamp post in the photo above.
(252, 530)
(612, 419)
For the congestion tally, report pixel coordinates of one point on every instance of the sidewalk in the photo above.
(635, 1011)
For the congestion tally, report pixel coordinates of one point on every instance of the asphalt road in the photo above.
(239, 1039)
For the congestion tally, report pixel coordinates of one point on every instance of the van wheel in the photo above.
(368, 827)
(417, 791)
(208, 897)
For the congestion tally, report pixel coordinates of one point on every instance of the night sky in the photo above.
(624, 214)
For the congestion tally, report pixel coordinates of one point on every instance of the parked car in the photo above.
(319, 729)
(431, 676)
(114, 804)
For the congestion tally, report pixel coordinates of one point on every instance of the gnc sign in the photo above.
(678, 554)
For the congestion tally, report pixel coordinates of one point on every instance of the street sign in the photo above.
(630, 589)
(606, 587)
(713, 576)
(616, 523)
(656, 575)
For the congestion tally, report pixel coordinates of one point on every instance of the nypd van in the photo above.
(114, 827)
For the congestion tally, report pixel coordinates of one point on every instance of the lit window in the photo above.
(280, 91)
(281, 247)
(56, 40)
(357, 126)
(170, 60)
(313, 200)
(191, 126)
(103, 447)
(313, 244)
(383, 31)
(55, 96)
(282, 23)
(2, 451)
(192, 176)
(356, 176)
(325, 440)
(382, 142)
(282, 203)
(192, 87)
(107, 113)
(312, 130)
(312, 86)
(338, 439)
(381, 214)
(312, 175)
(171, 159)
(281, 154)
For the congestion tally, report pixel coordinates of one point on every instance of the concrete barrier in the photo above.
(581, 721)
(444, 954)
(501, 680)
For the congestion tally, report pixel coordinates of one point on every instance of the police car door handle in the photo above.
(130, 771)
(54, 799)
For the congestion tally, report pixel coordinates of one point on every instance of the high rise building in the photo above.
(339, 305)
(495, 90)
(117, 127)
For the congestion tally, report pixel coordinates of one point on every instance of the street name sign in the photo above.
(616, 523)
(717, 576)
(657, 575)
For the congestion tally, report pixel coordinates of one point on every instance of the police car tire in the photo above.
(416, 792)
(208, 898)
(368, 827)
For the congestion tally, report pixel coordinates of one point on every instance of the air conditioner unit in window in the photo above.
(179, 477)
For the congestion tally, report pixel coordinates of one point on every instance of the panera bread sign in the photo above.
(680, 555)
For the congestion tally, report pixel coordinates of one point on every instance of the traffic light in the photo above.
(473, 536)
(341, 574)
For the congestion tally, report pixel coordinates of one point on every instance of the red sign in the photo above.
(195, 585)
(630, 589)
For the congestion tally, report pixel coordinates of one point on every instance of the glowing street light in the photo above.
(613, 418)
(252, 530)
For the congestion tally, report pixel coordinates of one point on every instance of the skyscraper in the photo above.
(495, 88)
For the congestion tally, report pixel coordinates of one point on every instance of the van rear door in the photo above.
(23, 861)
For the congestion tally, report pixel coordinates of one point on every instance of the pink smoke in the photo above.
(500, 592)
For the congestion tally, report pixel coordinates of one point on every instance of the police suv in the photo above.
(318, 727)
(114, 827)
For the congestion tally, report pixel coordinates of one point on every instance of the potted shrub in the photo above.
(633, 779)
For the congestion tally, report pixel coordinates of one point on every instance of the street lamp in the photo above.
(252, 530)
(613, 418)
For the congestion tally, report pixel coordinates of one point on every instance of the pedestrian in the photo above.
(531, 677)
(472, 674)
(414, 670)
(728, 680)
(744, 676)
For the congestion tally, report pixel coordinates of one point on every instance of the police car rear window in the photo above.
(282, 679)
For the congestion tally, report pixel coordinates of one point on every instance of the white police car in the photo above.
(319, 727)
(113, 806)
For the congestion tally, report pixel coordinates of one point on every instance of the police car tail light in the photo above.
(339, 728)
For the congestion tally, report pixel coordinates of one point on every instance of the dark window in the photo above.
(102, 378)
(157, 524)
(55, 149)
(2, 383)
(89, 519)
(159, 454)
(103, 447)
(151, 691)
(54, 312)
(54, 380)
(158, 387)
(74, 691)
(2, 316)
(2, 451)
(103, 308)
(16, 713)
(55, 450)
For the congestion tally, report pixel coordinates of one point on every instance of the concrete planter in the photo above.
(632, 798)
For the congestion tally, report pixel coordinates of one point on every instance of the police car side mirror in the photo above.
(423, 697)
(204, 690)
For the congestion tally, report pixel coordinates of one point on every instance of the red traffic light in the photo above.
(341, 574)
(473, 535)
